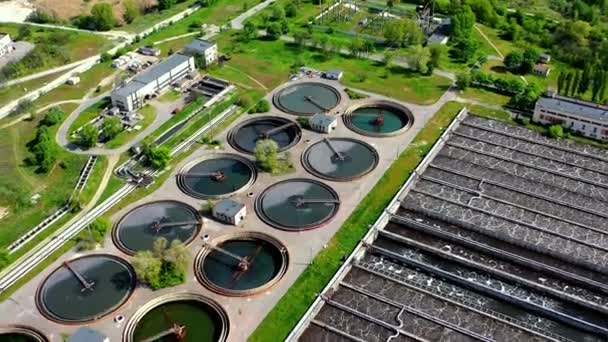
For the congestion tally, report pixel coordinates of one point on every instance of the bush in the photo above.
(245, 101)
(52, 117)
(304, 122)
(164, 265)
(88, 136)
(157, 156)
(261, 107)
(94, 234)
(555, 131)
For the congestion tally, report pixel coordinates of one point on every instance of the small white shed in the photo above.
(230, 211)
(323, 123)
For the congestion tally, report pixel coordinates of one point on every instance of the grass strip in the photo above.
(292, 306)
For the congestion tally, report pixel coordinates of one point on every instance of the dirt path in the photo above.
(112, 160)
(248, 76)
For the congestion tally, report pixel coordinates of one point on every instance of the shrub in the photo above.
(556, 131)
(261, 107)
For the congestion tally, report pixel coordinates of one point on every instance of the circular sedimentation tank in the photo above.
(241, 264)
(378, 118)
(307, 98)
(141, 226)
(21, 334)
(216, 176)
(184, 317)
(340, 159)
(297, 204)
(86, 289)
(286, 133)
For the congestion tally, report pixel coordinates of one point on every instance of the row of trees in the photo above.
(579, 82)
(402, 33)
(164, 266)
(524, 95)
(89, 135)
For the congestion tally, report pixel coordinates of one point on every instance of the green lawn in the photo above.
(149, 114)
(485, 96)
(219, 13)
(88, 81)
(489, 112)
(18, 180)
(286, 313)
(89, 114)
(270, 63)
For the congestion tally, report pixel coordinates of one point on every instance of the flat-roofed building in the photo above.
(132, 95)
(202, 47)
(583, 117)
(6, 44)
(323, 123)
(230, 211)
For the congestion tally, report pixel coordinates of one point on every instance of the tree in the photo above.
(157, 156)
(413, 35)
(284, 26)
(261, 107)
(437, 52)
(131, 11)
(300, 38)
(356, 47)
(165, 4)
(529, 59)
(94, 234)
(277, 13)
(111, 127)
(513, 61)
(463, 80)
(52, 117)
(103, 16)
(88, 136)
(249, 31)
(274, 31)
(394, 33)
(291, 10)
(419, 59)
(147, 268)
(575, 83)
(388, 58)
(266, 154)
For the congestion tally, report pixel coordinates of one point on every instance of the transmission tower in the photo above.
(424, 16)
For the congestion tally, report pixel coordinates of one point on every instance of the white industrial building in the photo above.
(6, 44)
(323, 123)
(202, 47)
(153, 81)
(583, 117)
(230, 211)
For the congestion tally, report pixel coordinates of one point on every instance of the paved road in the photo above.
(62, 137)
(237, 23)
